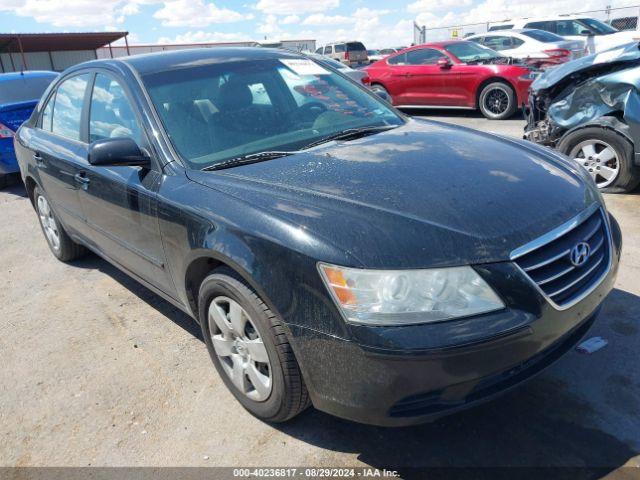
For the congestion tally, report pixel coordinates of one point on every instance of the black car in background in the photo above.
(335, 253)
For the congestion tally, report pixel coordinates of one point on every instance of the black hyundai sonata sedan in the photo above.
(334, 252)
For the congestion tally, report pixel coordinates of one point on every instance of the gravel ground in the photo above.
(100, 371)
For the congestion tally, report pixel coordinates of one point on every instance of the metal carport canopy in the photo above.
(49, 42)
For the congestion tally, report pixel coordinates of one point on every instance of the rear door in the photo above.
(59, 150)
(121, 202)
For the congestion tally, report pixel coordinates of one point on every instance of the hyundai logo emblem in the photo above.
(580, 254)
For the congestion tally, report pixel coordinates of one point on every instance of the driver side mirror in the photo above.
(444, 63)
(586, 33)
(117, 152)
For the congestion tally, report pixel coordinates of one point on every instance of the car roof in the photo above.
(179, 59)
(5, 77)
(538, 19)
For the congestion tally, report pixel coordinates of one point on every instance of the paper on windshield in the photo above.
(302, 66)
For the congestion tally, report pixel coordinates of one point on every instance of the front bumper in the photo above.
(395, 376)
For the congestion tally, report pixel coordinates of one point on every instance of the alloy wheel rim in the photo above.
(240, 348)
(599, 159)
(496, 101)
(48, 223)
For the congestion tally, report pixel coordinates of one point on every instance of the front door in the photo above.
(121, 202)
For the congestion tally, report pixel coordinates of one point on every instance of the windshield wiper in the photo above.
(350, 134)
(247, 159)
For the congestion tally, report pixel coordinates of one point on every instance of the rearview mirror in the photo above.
(444, 63)
(117, 152)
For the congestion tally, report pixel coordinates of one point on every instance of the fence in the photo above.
(622, 18)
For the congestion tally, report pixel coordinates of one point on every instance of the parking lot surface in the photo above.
(97, 370)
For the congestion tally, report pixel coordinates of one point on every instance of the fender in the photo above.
(610, 123)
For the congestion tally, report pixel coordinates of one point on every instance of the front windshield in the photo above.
(219, 111)
(597, 26)
(469, 52)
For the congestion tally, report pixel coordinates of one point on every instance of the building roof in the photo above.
(49, 42)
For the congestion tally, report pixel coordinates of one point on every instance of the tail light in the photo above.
(5, 132)
(558, 52)
(346, 55)
(366, 80)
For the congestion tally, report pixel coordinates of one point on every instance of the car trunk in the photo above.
(13, 115)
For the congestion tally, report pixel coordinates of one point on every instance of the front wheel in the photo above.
(497, 101)
(606, 155)
(249, 348)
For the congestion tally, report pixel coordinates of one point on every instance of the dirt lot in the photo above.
(97, 370)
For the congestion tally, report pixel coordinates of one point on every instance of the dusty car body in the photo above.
(582, 102)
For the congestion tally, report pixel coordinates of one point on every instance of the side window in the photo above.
(479, 40)
(424, 56)
(516, 42)
(548, 26)
(340, 48)
(398, 60)
(328, 50)
(47, 114)
(111, 114)
(319, 51)
(67, 109)
(260, 95)
(569, 27)
(498, 43)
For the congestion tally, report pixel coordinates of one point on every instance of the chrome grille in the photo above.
(547, 261)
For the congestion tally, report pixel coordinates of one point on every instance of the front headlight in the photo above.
(403, 297)
(528, 76)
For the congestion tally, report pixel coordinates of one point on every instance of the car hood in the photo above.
(618, 57)
(424, 194)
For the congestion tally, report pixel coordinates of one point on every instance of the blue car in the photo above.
(19, 94)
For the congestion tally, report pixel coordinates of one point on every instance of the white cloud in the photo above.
(324, 20)
(71, 13)
(422, 6)
(295, 7)
(204, 37)
(290, 19)
(195, 13)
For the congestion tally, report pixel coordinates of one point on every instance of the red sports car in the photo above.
(453, 74)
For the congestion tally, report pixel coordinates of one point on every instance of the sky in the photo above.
(377, 23)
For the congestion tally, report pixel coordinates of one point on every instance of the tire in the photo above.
(288, 395)
(60, 244)
(3, 181)
(381, 92)
(604, 141)
(497, 101)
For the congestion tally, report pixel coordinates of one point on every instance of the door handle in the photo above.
(82, 179)
(39, 160)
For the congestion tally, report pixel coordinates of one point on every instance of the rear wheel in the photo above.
(249, 348)
(497, 101)
(606, 155)
(381, 92)
(59, 242)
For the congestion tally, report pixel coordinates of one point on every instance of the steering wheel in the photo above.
(312, 107)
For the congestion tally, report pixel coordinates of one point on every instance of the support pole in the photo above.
(126, 42)
(24, 60)
(110, 50)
